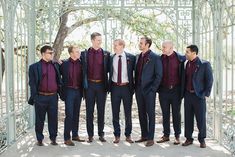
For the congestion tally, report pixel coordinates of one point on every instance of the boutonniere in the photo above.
(147, 61)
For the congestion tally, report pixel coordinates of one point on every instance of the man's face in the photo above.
(166, 48)
(118, 48)
(189, 54)
(48, 55)
(75, 53)
(142, 45)
(96, 42)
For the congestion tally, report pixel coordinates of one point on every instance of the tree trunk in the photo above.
(61, 35)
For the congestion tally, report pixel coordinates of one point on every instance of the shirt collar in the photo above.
(146, 53)
(45, 62)
(171, 56)
(93, 50)
(194, 60)
(122, 54)
(73, 61)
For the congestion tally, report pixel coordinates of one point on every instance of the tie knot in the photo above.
(120, 56)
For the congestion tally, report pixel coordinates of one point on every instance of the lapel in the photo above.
(66, 68)
(127, 61)
(39, 70)
(105, 58)
(111, 64)
(57, 71)
(148, 60)
(198, 64)
(136, 61)
(86, 57)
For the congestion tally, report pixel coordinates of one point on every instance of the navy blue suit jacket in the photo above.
(84, 59)
(151, 74)
(130, 59)
(202, 79)
(35, 76)
(64, 70)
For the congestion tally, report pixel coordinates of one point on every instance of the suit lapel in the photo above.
(127, 61)
(105, 61)
(111, 65)
(128, 64)
(67, 68)
(39, 68)
(136, 61)
(148, 60)
(198, 64)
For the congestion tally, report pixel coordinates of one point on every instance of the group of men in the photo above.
(94, 72)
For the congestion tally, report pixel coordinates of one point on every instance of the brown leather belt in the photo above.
(96, 81)
(46, 94)
(120, 84)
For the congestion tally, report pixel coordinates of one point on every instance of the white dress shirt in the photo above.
(124, 68)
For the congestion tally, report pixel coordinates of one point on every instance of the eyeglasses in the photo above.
(50, 52)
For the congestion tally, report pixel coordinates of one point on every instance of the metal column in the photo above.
(9, 16)
(31, 49)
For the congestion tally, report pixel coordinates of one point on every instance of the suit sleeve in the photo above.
(158, 73)
(32, 85)
(208, 79)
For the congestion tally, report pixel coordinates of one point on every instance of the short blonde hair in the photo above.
(120, 42)
(71, 47)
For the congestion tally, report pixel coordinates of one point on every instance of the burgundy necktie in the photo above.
(119, 79)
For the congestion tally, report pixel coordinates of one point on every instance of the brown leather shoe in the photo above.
(102, 139)
(69, 143)
(117, 139)
(203, 145)
(90, 139)
(129, 140)
(149, 143)
(163, 139)
(77, 139)
(177, 141)
(39, 143)
(187, 142)
(54, 143)
(142, 139)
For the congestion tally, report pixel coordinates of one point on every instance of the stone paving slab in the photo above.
(25, 147)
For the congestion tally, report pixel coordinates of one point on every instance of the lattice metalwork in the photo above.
(15, 37)
(216, 40)
(25, 25)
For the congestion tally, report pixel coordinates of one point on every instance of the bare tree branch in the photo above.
(79, 23)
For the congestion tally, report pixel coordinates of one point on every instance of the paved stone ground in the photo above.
(25, 146)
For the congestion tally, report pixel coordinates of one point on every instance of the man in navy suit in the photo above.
(198, 84)
(95, 63)
(45, 82)
(72, 89)
(148, 75)
(122, 65)
(170, 90)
